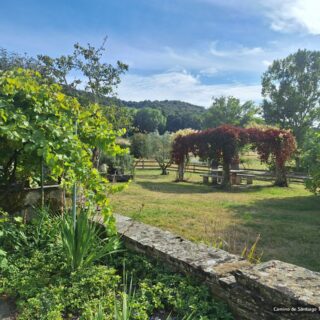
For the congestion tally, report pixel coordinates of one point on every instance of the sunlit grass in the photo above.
(288, 219)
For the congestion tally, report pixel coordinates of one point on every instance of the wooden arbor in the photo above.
(221, 145)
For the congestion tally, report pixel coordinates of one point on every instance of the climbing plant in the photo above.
(221, 146)
(274, 146)
(37, 124)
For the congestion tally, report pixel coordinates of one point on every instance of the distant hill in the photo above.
(168, 107)
(179, 114)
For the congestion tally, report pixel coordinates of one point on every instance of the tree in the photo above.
(274, 146)
(9, 61)
(291, 91)
(138, 145)
(149, 120)
(84, 66)
(99, 78)
(119, 117)
(159, 148)
(180, 121)
(311, 160)
(229, 110)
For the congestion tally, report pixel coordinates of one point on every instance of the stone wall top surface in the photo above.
(295, 285)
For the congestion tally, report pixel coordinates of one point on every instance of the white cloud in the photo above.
(181, 86)
(238, 50)
(266, 63)
(294, 15)
(285, 15)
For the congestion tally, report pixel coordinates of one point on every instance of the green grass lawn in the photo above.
(288, 219)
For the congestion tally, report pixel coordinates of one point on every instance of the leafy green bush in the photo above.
(159, 289)
(37, 275)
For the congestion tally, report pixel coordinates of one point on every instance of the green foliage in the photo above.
(178, 114)
(291, 89)
(39, 279)
(229, 110)
(160, 289)
(138, 145)
(100, 77)
(123, 307)
(118, 164)
(160, 148)
(37, 122)
(82, 241)
(251, 253)
(153, 146)
(119, 117)
(9, 60)
(311, 160)
(149, 120)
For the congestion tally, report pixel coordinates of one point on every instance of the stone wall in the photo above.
(269, 290)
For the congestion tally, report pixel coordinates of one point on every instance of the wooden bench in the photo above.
(248, 177)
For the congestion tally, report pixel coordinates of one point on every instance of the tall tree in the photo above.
(229, 110)
(149, 120)
(85, 66)
(291, 91)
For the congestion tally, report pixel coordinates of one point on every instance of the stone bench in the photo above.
(248, 177)
(215, 178)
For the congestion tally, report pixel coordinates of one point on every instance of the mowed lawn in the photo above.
(287, 219)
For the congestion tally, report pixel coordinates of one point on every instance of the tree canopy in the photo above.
(291, 91)
(149, 120)
(229, 110)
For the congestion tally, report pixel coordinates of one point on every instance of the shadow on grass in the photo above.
(279, 206)
(194, 187)
(175, 187)
(289, 228)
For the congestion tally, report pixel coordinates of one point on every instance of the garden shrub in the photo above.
(38, 277)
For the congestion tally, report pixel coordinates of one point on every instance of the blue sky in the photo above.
(189, 50)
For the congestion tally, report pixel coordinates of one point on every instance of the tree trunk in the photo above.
(181, 170)
(281, 178)
(95, 157)
(164, 171)
(226, 184)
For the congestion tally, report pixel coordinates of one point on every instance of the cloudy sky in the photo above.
(187, 50)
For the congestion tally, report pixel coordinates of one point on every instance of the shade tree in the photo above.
(230, 110)
(291, 91)
(149, 120)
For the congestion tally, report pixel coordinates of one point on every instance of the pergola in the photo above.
(221, 146)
